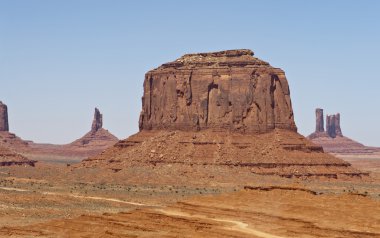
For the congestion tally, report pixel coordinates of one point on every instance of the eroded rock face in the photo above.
(97, 123)
(333, 125)
(4, 126)
(319, 125)
(226, 90)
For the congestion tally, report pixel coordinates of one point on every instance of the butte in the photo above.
(219, 115)
(333, 141)
(7, 155)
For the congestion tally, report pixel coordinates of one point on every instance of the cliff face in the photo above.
(4, 126)
(226, 90)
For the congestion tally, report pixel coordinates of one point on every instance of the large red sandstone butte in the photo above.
(227, 90)
(210, 114)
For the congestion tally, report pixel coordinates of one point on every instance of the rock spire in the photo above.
(319, 127)
(97, 122)
(4, 126)
(333, 125)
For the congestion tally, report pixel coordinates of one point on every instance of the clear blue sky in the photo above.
(60, 59)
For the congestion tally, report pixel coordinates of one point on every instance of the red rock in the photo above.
(96, 140)
(333, 126)
(333, 141)
(201, 117)
(319, 127)
(226, 90)
(8, 157)
(4, 126)
(97, 123)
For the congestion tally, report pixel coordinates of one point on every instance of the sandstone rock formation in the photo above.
(226, 90)
(333, 141)
(8, 139)
(319, 127)
(333, 126)
(210, 114)
(97, 139)
(92, 143)
(4, 126)
(97, 123)
(9, 157)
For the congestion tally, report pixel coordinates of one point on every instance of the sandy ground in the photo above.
(249, 213)
(54, 200)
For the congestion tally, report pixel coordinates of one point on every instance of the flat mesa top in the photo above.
(226, 58)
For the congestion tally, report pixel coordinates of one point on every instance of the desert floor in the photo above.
(57, 200)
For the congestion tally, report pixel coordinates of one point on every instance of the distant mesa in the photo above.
(332, 139)
(214, 114)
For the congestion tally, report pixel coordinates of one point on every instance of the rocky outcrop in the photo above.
(9, 157)
(97, 122)
(96, 140)
(8, 139)
(227, 90)
(201, 118)
(4, 126)
(92, 143)
(319, 125)
(333, 141)
(333, 126)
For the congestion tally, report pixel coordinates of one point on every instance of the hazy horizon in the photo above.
(60, 60)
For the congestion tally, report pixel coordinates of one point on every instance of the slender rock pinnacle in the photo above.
(97, 123)
(4, 126)
(319, 120)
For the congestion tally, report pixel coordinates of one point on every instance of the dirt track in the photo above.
(290, 213)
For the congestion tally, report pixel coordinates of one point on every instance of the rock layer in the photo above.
(9, 157)
(4, 126)
(226, 90)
